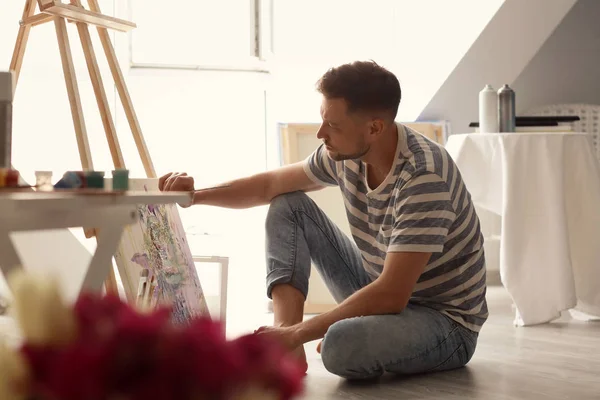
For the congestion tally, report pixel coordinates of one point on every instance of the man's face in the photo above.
(345, 134)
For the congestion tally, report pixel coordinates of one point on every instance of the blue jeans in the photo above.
(417, 340)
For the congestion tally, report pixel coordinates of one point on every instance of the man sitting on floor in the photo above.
(411, 286)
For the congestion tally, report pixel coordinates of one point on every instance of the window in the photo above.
(200, 34)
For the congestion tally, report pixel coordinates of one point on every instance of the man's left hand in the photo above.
(287, 336)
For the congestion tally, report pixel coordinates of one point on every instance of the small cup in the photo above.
(9, 178)
(95, 179)
(43, 180)
(120, 179)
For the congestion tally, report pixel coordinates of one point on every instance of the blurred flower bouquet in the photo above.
(102, 349)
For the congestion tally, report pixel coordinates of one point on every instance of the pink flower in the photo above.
(119, 352)
(74, 372)
(270, 365)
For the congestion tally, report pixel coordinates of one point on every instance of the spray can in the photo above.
(7, 87)
(488, 110)
(506, 109)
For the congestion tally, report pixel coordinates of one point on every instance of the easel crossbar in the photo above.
(79, 14)
(76, 13)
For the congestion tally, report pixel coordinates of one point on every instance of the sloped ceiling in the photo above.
(501, 52)
(566, 68)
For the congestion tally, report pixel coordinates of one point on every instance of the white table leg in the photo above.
(9, 258)
(108, 238)
(101, 263)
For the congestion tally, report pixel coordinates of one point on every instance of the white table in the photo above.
(546, 189)
(107, 212)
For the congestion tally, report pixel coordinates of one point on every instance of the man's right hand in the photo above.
(176, 182)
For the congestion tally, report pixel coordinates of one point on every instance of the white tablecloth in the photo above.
(546, 188)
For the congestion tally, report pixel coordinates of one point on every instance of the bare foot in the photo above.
(301, 356)
(319, 347)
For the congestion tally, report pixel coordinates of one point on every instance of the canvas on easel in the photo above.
(158, 244)
(60, 13)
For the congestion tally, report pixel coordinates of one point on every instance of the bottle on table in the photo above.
(488, 110)
(506, 109)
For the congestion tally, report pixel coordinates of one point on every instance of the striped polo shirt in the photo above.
(421, 206)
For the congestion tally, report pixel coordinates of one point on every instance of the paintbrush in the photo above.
(213, 187)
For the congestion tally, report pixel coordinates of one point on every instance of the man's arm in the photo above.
(251, 191)
(388, 294)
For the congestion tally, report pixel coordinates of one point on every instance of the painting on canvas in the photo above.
(158, 244)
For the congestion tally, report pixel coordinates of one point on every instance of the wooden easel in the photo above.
(60, 13)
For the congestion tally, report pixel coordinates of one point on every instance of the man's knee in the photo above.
(344, 351)
(291, 200)
(282, 208)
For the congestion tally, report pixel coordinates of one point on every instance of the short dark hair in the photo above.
(364, 85)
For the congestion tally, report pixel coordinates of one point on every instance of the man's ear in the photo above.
(377, 127)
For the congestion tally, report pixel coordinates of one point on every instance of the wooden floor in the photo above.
(560, 360)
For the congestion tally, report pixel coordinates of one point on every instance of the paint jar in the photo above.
(71, 180)
(95, 179)
(120, 179)
(43, 180)
(9, 177)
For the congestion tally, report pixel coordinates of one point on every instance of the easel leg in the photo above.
(110, 284)
(73, 92)
(22, 38)
(105, 114)
(124, 95)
